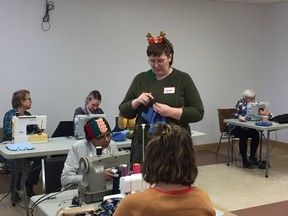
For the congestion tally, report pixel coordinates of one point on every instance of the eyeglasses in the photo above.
(28, 99)
(104, 137)
(153, 62)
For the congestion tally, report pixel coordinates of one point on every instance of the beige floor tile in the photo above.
(235, 188)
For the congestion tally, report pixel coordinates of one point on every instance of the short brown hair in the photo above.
(170, 157)
(19, 96)
(157, 49)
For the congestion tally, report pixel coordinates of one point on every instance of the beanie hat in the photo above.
(96, 127)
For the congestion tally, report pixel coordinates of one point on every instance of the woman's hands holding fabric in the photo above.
(162, 109)
(168, 111)
(144, 99)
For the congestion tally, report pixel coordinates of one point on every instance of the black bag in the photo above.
(282, 119)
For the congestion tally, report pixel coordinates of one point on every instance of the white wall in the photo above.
(276, 65)
(95, 44)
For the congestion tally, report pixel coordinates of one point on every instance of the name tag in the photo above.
(169, 90)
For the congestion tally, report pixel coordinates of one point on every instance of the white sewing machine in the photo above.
(253, 110)
(19, 128)
(80, 121)
(94, 185)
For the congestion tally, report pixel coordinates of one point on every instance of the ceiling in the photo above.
(255, 1)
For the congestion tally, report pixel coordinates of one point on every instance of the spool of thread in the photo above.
(136, 168)
(99, 150)
(116, 181)
(123, 170)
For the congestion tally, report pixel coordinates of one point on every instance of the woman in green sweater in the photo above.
(170, 92)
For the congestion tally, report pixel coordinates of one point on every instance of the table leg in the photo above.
(229, 146)
(260, 150)
(25, 173)
(267, 152)
(20, 164)
(14, 181)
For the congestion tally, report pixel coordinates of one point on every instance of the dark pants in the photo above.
(33, 176)
(244, 134)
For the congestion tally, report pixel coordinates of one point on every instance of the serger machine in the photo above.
(80, 121)
(94, 185)
(19, 129)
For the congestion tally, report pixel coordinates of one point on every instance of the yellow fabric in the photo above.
(124, 123)
(35, 138)
(131, 124)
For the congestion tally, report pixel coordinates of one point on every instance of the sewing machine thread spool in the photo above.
(136, 168)
(116, 181)
(99, 150)
(123, 169)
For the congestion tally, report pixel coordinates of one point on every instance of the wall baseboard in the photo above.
(213, 146)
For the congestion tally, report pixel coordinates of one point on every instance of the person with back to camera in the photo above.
(98, 133)
(245, 133)
(170, 92)
(21, 102)
(91, 106)
(169, 167)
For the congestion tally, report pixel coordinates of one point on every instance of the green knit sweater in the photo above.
(186, 95)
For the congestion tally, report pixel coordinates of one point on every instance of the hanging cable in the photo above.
(45, 25)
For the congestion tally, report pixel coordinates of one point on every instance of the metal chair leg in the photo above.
(218, 147)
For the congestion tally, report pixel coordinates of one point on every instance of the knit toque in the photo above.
(96, 127)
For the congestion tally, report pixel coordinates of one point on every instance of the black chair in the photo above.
(52, 170)
(64, 129)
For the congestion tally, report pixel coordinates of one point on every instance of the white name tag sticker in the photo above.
(169, 90)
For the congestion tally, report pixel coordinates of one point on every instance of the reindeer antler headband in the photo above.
(158, 39)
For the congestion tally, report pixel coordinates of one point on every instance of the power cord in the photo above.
(4, 196)
(48, 196)
(46, 19)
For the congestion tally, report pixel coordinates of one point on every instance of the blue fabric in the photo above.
(119, 136)
(19, 147)
(152, 118)
(265, 124)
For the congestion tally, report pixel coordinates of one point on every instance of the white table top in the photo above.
(251, 124)
(64, 199)
(61, 145)
(54, 146)
(197, 134)
(51, 206)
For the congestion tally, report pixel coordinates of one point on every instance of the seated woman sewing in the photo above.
(98, 133)
(21, 102)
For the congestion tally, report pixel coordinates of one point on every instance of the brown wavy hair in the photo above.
(170, 157)
(19, 96)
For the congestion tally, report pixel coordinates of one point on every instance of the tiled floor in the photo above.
(230, 187)
(234, 188)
